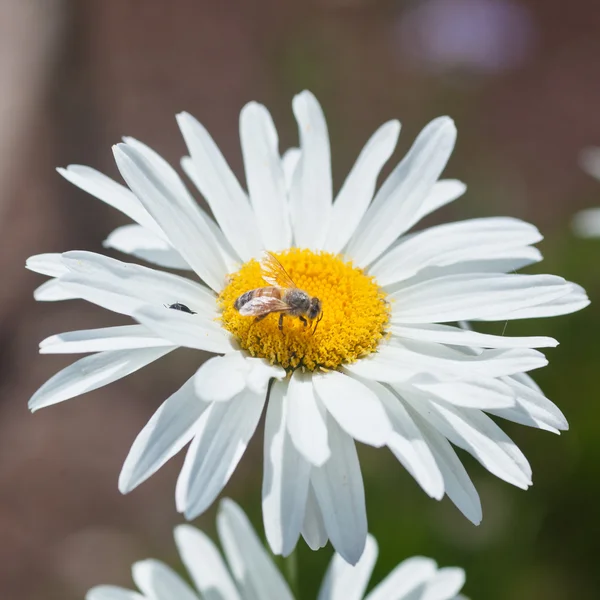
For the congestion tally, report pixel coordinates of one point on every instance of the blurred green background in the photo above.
(522, 80)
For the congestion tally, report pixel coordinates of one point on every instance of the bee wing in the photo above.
(263, 305)
(274, 273)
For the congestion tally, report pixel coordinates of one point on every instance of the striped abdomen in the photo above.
(271, 291)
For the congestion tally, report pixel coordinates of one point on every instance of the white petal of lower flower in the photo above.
(111, 592)
(306, 420)
(357, 191)
(184, 329)
(457, 483)
(159, 582)
(251, 566)
(531, 408)
(484, 394)
(354, 406)
(221, 189)
(289, 162)
(474, 297)
(313, 527)
(447, 334)
(145, 244)
(222, 377)
(402, 194)
(286, 477)
(109, 191)
(311, 191)
(184, 226)
(53, 291)
(443, 192)
(264, 176)
(408, 576)
(50, 264)
(204, 564)
(102, 340)
(451, 243)
(476, 433)
(170, 428)
(408, 445)
(224, 432)
(346, 582)
(339, 490)
(586, 223)
(92, 372)
(445, 584)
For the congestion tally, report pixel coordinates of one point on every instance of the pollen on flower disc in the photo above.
(355, 313)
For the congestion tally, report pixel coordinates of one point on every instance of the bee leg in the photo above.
(281, 322)
(303, 320)
(260, 318)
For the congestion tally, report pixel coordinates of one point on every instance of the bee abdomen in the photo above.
(241, 300)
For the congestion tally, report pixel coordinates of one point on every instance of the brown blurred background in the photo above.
(522, 80)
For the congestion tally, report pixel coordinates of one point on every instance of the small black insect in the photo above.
(182, 308)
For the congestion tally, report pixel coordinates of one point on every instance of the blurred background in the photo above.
(522, 80)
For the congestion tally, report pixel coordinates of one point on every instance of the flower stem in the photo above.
(290, 570)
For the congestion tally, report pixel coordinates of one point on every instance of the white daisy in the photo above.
(251, 574)
(586, 223)
(383, 367)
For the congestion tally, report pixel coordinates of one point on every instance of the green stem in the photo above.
(290, 570)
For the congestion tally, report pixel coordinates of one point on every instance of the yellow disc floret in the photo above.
(354, 319)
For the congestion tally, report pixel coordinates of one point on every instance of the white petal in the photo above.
(264, 175)
(92, 372)
(451, 243)
(446, 334)
(445, 584)
(353, 199)
(261, 372)
(204, 564)
(224, 432)
(408, 445)
(474, 297)
(311, 191)
(222, 377)
(102, 340)
(111, 592)
(52, 291)
(128, 286)
(221, 189)
(171, 427)
(285, 480)
(313, 528)
(407, 577)
(589, 161)
(532, 408)
(50, 264)
(251, 566)
(306, 419)
(457, 484)
(112, 193)
(354, 406)
(184, 329)
(586, 223)
(345, 582)
(338, 486)
(184, 226)
(401, 196)
(289, 162)
(443, 192)
(484, 394)
(476, 433)
(159, 582)
(145, 244)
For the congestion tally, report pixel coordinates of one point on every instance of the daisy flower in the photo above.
(586, 223)
(250, 572)
(386, 365)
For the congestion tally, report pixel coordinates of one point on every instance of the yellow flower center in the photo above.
(355, 313)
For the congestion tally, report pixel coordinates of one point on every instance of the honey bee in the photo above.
(281, 296)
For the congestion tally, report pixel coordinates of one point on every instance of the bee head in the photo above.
(314, 309)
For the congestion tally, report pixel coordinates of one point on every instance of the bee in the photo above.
(182, 308)
(281, 296)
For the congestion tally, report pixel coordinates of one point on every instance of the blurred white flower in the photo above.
(251, 574)
(586, 223)
(381, 368)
